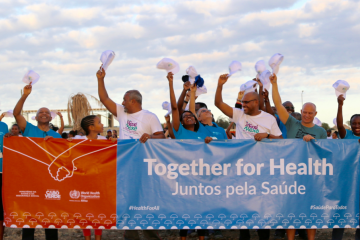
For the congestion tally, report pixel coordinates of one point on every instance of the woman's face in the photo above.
(355, 126)
(334, 136)
(188, 119)
(98, 126)
(15, 130)
(114, 132)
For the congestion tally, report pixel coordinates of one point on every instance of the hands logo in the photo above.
(63, 165)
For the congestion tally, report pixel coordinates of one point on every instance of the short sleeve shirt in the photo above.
(3, 130)
(34, 131)
(350, 135)
(247, 126)
(183, 133)
(134, 125)
(296, 130)
(216, 131)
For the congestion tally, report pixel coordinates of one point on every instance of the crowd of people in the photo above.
(252, 115)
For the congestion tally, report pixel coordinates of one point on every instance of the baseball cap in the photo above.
(166, 106)
(341, 87)
(169, 65)
(234, 67)
(248, 86)
(317, 121)
(31, 77)
(106, 58)
(275, 62)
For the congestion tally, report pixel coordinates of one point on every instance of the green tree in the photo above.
(325, 125)
(223, 122)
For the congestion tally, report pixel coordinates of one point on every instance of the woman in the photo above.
(15, 131)
(354, 133)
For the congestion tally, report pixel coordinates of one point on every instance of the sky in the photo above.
(62, 41)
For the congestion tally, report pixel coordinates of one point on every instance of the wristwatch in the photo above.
(268, 135)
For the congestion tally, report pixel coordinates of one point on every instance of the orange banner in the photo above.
(59, 184)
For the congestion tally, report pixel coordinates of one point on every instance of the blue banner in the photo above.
(237, 184)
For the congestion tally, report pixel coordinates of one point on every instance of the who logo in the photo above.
(52, 195)
(74, 194)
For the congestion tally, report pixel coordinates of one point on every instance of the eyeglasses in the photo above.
(205, 110)
(188, 116)
(292, 108)
(247, 102)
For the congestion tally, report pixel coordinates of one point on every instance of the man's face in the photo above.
(250, 103)
(127, 103)
(328, 133)
(43, 115)
(109, 133)
(308, 113)
(274, 110)
(289, 107)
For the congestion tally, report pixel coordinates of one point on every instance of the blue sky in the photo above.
(63, 41)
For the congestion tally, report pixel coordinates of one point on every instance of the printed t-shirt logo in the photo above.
(251, 128)
(131, 125)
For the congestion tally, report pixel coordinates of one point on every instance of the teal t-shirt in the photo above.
(34, 131)
(216, 131)
(350, 135)
(183, 133)
(295, 129)
(3, 130)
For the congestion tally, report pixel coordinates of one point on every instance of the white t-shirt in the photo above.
(84, 137)
(247, 126)
(134, 125)
(329, 137)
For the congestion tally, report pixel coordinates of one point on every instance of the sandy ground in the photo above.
(15, 234)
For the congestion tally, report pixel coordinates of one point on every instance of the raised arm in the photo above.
(226, 109)
(181, 102)
(2, 116)
(228, 133)
(104, 97)
(170, 128)
(281, 110)
(21, 121)
(175, 110)
(268, 108)
(61, 129)
(339, 117)
(261, 103)
(192, 99)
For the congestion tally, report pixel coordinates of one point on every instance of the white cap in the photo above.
(335, 122)
(9, 113)
(316, 121)
(33, 117)
(191, 71)
(53, 114)
(234, 67)
(265, 79)
(31, 77)
(260, 66)
(169, 65)
(106, 58)
(248, 86)
(341, 87)
(275, 62)
(167, 107)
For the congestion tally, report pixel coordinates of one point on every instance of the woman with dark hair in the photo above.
(354, 133)
(15, 130)
(114, 134)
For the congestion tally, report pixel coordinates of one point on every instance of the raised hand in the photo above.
(341, 99)
(170, 77)
(241, 95)
(187, 85)
(222, 79)
(101, 73)
(167, 118)
(27, 90)
(193, 88)
(258, 81)
(59, 114)
(273, 78)
(266, 94)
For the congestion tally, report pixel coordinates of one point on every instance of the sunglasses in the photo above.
(247, 102)
(292, 108)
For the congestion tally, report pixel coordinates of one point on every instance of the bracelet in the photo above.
(186, 101)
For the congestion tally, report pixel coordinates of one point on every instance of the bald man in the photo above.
(251, 122)
(305, 128)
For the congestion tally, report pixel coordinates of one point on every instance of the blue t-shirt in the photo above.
(3, 130)
(216, 131)
(183, 133)
(281, 126)
(34, 131)
(350, 135)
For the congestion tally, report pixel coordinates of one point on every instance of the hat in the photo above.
(106, 58)
(9, 113)
(248, 86)
(260, 67)
(275, 62)
(234, 67)
(194, 77)
(316, 121)
(341, 87)
(31, 77)
(191, 71)
(335, 122)
(33, 118)
(265, 79)
(53, 114)
(167, 107)
(169, 65)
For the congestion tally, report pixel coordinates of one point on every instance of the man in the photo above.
(42, 130)
(328, 133)
(108, 134)
(304, 129)
(134, 123)
(3, 130)
(251, 122)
